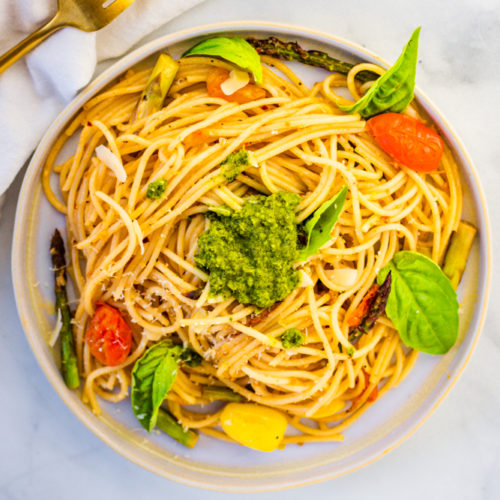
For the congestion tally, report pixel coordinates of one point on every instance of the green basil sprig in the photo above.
(233, 49)
(393, 91)
(153, 376)
(422, 304)
(320, 224)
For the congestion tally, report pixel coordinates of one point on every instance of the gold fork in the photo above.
(87, 15)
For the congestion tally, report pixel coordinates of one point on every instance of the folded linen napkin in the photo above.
(35, 89)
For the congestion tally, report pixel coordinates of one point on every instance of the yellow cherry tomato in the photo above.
(328, 410)
(252, 425)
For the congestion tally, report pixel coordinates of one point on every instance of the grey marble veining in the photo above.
(46, 453)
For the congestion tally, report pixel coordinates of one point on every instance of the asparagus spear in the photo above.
(292, 51)
(69, 364)
(168, 424)
(219, 393)
(158, 85)
(377, 308)
(458, 252)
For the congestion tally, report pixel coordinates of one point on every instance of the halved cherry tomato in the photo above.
(407, 140)
(361, 311)
(109, 336)
(248, 93)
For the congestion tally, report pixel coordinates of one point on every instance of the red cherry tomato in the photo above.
(407, 140)
(361, 311)
(109, 336)
(248, 93)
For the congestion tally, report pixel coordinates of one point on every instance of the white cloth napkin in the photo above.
(35, 89)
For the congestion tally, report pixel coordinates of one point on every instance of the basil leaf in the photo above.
(422, 304)
(235, 49)
(393, 91)
(152, 377)
(320, 224)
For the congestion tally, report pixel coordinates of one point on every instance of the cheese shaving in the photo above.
(237, 80)
(343, 277)
(111, 161)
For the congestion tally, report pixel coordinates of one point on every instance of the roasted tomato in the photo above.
(361, 311)
(248, 93)
(407, 140)
(109, 336)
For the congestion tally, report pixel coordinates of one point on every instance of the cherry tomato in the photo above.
(407, 140)
(248, 93)
(361, 311)
(253, 425)
(109, 336)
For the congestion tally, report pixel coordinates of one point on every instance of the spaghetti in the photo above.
(138, 254)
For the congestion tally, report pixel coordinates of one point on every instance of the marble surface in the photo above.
(46, 453)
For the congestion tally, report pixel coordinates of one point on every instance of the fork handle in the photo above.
(29, 43)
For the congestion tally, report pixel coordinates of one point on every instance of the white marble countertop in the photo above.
(46, 453)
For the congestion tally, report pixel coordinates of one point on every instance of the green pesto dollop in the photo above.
(292, 337)
(156, 189)
(234, 164)
(249, 254)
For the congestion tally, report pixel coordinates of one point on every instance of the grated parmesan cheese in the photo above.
(111, 161)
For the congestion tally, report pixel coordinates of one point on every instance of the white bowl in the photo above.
(214, 464)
